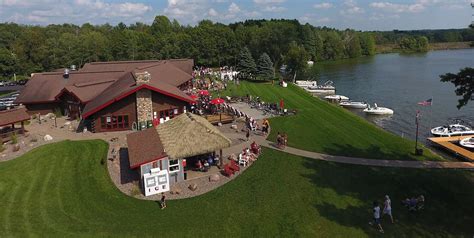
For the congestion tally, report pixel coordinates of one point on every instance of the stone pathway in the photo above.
(370, 162)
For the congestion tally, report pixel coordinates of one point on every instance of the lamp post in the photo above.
(417, 151)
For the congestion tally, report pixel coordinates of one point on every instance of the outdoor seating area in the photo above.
(243, 159)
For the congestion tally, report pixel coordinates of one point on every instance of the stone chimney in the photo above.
(144, 100)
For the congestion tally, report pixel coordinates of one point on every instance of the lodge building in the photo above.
(113, 96)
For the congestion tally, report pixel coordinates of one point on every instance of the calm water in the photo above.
(399, 82)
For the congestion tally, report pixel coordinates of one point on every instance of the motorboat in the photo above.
(305, 83)
(452, 130)
(467, 142)
(336, 98)
(327, 87)
(352, 104)
(376, 110)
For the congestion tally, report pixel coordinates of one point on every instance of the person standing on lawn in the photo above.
(376, 213)
(387, 207)
(163, 201)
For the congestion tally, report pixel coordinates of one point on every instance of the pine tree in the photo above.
(265, 66)
(246, 66)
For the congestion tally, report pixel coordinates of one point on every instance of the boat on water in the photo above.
(305, 83)
(452, 130)
(327, 87)
(467, 142)
(354, 105)
(336, 98)
(376, 110)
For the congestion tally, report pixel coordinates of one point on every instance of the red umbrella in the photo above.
(282, 104)
(194, 97)
(217, 101)
(204, 93)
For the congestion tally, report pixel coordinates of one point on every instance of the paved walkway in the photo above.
(370, 162)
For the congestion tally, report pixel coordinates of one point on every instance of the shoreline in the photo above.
(394, 48)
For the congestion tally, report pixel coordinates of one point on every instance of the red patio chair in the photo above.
(234, 165)
(227, 171)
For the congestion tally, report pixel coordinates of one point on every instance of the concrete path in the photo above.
(370, 162)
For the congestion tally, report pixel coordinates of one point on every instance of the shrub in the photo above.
(58, 112)
(14, 138)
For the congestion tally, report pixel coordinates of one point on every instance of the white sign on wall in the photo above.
(157, 181)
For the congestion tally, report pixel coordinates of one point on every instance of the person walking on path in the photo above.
(387, 207)
(163, 201)
(247, 134)
(376, 213)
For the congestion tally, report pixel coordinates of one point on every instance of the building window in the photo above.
(114, 122)
(173, 166)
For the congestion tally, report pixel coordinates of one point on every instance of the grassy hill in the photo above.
(63, 189)
(323, 127)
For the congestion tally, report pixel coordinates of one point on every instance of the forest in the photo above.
(25, 49)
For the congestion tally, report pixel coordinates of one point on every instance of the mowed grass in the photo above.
(326, 128)
(63, 189)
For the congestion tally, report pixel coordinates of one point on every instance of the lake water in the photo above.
(399, 82)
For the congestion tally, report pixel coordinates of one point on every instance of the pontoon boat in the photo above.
(336, 98)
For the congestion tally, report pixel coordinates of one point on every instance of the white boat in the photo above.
(327, 87)
(305, 84)
(467, 142)
(355, 105)
(376, 110)
(336, 98)
(452, 130)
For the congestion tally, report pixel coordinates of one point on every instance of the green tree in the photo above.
(246, 65)
(296, 59)
(353, 46)
(265, 66)
(161, 26)
(333, 48)
(7, 63)
(464, 83)
(367, 43)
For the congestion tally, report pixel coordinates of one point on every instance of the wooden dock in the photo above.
(447, 143)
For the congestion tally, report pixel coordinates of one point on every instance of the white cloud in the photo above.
(324, 5)
(212, 12)
(398, 8)
(323, 20)
(351, 8)
(234, 8)
(273, 9)
(268, 1)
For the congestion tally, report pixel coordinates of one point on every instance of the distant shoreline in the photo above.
(393, 48)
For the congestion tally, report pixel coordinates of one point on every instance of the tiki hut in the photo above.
(189, 135)
(165, 148)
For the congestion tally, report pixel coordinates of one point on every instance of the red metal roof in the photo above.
(9, 117)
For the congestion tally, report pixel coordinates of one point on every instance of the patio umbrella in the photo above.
(218, 101)
(204, 93)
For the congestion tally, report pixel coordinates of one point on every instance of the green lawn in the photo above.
(62, 189)
(323, 127)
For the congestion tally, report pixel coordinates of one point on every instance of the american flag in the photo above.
(428, 102)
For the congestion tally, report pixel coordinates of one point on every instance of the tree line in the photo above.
(25, 49)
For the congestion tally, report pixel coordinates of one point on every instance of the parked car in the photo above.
(2, 83)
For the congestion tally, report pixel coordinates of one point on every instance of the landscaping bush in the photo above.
(14, 138)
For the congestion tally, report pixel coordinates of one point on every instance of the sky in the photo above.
(355, 14)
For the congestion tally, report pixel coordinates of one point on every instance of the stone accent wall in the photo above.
(144, 105)
(142, 78)
(144, 99)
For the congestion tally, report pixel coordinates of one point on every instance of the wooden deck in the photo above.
(448, 143)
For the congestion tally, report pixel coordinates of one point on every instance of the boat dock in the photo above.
(447, 143)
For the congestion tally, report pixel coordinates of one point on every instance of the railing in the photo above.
(7, 135)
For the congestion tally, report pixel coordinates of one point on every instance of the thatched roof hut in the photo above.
(188, 135)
